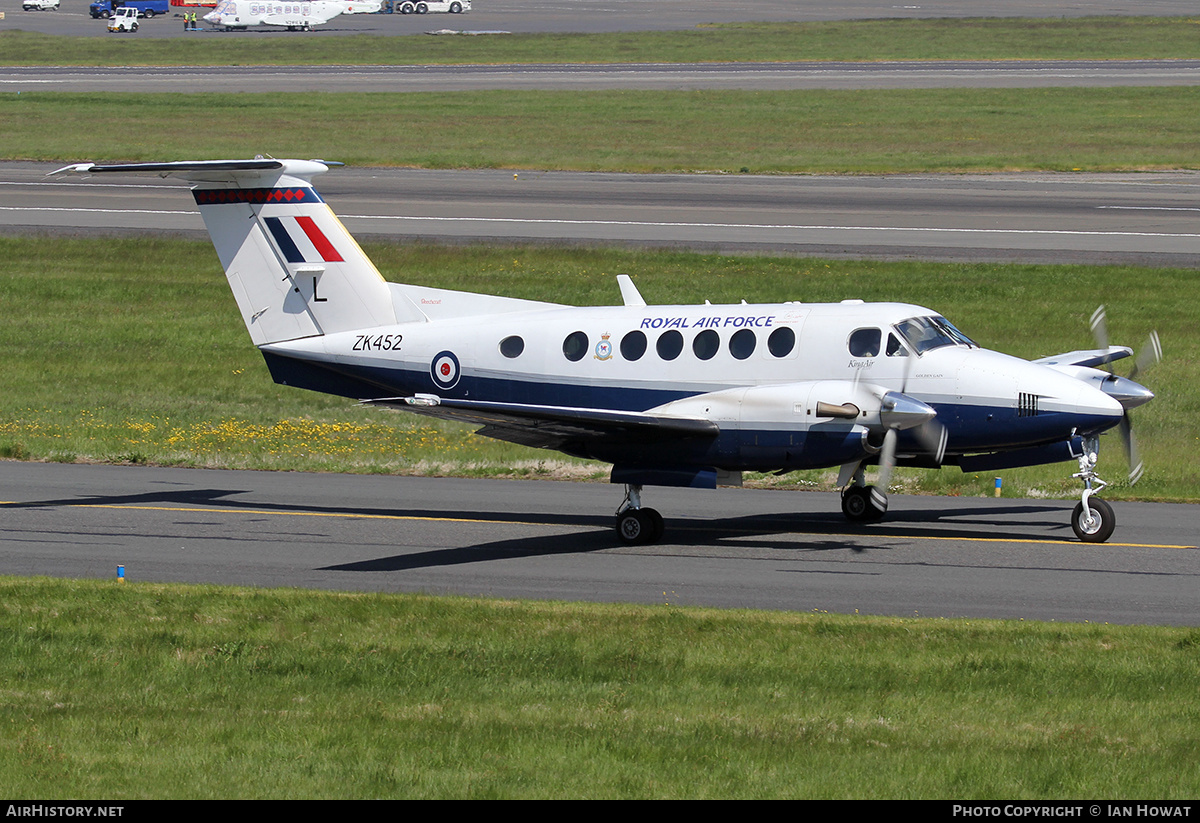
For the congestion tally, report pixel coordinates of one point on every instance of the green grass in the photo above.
(131, 350)
(963, 39)
(866, 131)
(127, 691)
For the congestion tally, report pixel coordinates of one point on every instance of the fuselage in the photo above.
(643, 358)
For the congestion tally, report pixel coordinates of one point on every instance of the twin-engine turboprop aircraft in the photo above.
(670, 395)
(300, 15)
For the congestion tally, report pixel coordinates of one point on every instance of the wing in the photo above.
(1088, 357)
(551, 427)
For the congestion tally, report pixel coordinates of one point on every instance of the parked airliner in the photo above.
(300, 15)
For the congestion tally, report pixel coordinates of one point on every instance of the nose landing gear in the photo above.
(1093, 520)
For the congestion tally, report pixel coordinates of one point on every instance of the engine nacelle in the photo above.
(810, 424)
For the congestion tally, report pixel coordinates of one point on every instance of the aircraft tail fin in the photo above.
(294, 269)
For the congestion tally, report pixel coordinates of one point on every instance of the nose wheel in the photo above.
(1093, 520)
(1093, 523)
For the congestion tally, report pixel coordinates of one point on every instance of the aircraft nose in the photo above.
(1093, 409)
(1126, 392)
(900, 411)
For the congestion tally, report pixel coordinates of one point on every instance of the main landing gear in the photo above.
(863, 504)
(637, 526)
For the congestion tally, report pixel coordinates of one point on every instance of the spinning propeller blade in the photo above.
(1150, 354)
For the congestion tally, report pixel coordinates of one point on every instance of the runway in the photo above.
(1056, 218)
(580, 77)
(933, 557)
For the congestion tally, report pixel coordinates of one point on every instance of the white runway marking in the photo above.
(660, 224)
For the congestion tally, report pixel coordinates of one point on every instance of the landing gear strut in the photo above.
(1093, 520)
(637, 526)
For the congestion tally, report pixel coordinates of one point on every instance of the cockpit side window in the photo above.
(894, 347)
(865, 342)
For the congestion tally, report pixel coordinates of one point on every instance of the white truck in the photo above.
(427, 6)
(39, 5)
(124, 19)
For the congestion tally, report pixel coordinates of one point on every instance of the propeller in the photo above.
(929, 432)
(1126, 389)
(897, 411)
(900, 411)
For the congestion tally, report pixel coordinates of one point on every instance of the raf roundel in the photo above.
(444, 370)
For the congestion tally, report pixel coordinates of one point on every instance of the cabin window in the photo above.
(742, 344)
(705, 344)
(669, 345)
(512, 346)
(781, 342)
(633, 345)
(865, 342)
(575, 346)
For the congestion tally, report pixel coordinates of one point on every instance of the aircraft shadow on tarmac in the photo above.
(712, 537)
(754, 531)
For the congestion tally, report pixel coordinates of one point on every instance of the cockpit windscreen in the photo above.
(926, 333)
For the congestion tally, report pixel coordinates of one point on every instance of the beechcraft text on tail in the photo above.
(689, 395)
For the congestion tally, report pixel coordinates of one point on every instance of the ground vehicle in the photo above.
(145, 8)
(124, 19)
(423, 6)
(40, 5)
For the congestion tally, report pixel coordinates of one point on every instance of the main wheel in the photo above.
(455, 8)
(638, 527)
(858, 506)
(656, 524)
(1097, 528)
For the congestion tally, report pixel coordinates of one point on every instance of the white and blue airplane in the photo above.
(689, 395)
(300, 15)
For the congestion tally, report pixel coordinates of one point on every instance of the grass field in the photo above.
(1105, 38)
(864, 131)
(126, 691)
(131, 350)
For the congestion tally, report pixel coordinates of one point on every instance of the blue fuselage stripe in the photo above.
(970, 428)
